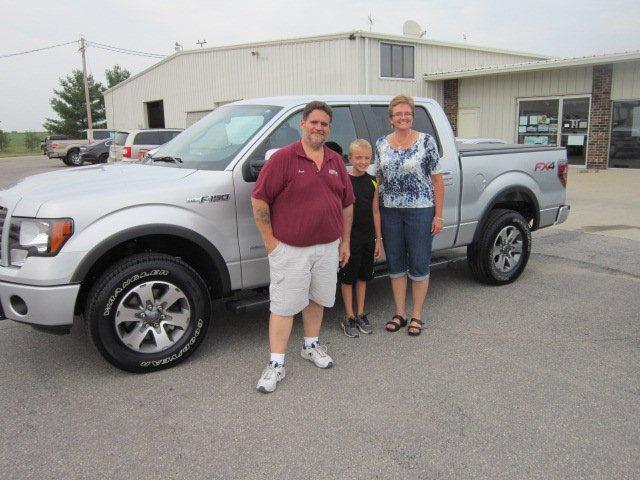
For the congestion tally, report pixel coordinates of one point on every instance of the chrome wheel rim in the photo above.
(75, 158)
(152, 317)
(507, 249)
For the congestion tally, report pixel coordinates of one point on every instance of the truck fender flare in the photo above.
(521, 189)
(147, 230)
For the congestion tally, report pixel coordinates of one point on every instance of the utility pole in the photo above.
(87, 100)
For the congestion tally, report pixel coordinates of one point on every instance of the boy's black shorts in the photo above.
(360, 265)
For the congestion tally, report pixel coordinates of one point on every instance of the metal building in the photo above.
(182, 88)
(591, 105)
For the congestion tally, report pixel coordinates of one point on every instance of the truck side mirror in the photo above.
(251, 168)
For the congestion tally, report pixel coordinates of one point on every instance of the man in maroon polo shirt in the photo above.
(303, 207)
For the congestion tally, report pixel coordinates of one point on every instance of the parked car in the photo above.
(140, 252)
(69, 149)
(133, 145)
(97, 152)
(44, 144)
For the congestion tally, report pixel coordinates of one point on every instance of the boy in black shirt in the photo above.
(366, 240)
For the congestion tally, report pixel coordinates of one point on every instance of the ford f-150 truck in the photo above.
(140, 251)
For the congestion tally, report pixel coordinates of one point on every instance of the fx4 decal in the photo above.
(542, 167)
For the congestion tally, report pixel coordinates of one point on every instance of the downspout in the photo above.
(366, 65)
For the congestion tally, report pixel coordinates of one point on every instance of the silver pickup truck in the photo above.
(140, 251)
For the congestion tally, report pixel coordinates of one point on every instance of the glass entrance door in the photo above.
(574, 129)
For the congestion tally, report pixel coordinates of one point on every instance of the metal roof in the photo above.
(536, 66)
(288, 101)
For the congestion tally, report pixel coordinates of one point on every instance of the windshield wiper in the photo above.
(166, 158)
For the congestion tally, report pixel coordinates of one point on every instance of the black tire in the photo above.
(103, 158)
(119, 285)
(494, 270)
(73, 158)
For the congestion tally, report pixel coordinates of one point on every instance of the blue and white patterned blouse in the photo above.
(405, 174)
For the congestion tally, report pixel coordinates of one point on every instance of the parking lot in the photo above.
(536, 379)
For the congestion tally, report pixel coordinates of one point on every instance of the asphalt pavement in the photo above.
(536, 379)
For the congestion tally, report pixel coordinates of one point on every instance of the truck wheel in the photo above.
(103, 158)
(73, 158)
(502, 250)
(148, 312)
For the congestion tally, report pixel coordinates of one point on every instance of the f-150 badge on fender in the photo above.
(209, 198)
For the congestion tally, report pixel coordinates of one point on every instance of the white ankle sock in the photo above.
(277, 358)
(309, 341)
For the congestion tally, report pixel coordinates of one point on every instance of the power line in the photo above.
(124, 50)
(36, 50)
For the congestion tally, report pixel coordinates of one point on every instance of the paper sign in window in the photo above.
(575, 140)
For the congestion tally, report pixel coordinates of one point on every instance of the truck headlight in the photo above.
(37, 237)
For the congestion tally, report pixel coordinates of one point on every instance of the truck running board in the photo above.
(260, 300)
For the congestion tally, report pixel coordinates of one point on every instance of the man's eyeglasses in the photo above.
(315, 123)
(402, 114)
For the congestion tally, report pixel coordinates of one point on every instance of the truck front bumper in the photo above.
(563, 214)
(41, 306)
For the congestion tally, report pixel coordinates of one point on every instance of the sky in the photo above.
(560, 28)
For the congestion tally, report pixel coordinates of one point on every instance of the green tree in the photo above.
(31, 141)
(69, 103)
(116, 75)
(4, 140)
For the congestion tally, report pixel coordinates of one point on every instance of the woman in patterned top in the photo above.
(411, 192)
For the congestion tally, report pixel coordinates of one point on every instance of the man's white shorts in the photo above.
(300, 274)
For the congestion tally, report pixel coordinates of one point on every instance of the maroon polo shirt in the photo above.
(305, 204)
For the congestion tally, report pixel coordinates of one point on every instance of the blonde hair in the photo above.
(400, 99)
(359, 143)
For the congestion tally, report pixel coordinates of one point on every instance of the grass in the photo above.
(16, 147)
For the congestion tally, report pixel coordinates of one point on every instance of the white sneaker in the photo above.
(318, 355)
(270, 377)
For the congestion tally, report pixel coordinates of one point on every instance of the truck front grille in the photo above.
(3, 216)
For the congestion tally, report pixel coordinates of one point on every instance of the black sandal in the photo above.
(396, 323)
(417, 329)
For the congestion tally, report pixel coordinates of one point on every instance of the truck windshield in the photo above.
(214, 141)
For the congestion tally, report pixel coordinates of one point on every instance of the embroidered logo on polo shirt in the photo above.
(300, 171)
(332, 171)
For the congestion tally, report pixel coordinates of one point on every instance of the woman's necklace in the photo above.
(403, 144)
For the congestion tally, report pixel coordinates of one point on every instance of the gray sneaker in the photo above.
(350, 327)
(363, 324)
(270, 377)
(318, 355)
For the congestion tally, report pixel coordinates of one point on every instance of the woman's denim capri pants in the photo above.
(407, 241)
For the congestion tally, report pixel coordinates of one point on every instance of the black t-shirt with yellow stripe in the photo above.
(362, 230)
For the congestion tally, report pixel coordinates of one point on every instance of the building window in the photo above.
(556, 121)
(396, 61)
(624, 150)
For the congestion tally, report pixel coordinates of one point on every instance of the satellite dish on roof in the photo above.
(411, 28)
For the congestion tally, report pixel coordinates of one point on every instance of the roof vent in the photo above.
(411, 28)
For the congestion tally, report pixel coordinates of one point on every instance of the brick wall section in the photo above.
(600, 117)
(451, 103)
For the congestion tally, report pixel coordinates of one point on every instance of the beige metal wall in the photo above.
(626, 81)
(429, 59)
(195, 81)
(200, 80)
(496, 96)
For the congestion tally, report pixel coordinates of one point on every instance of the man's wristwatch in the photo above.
(438, 218)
